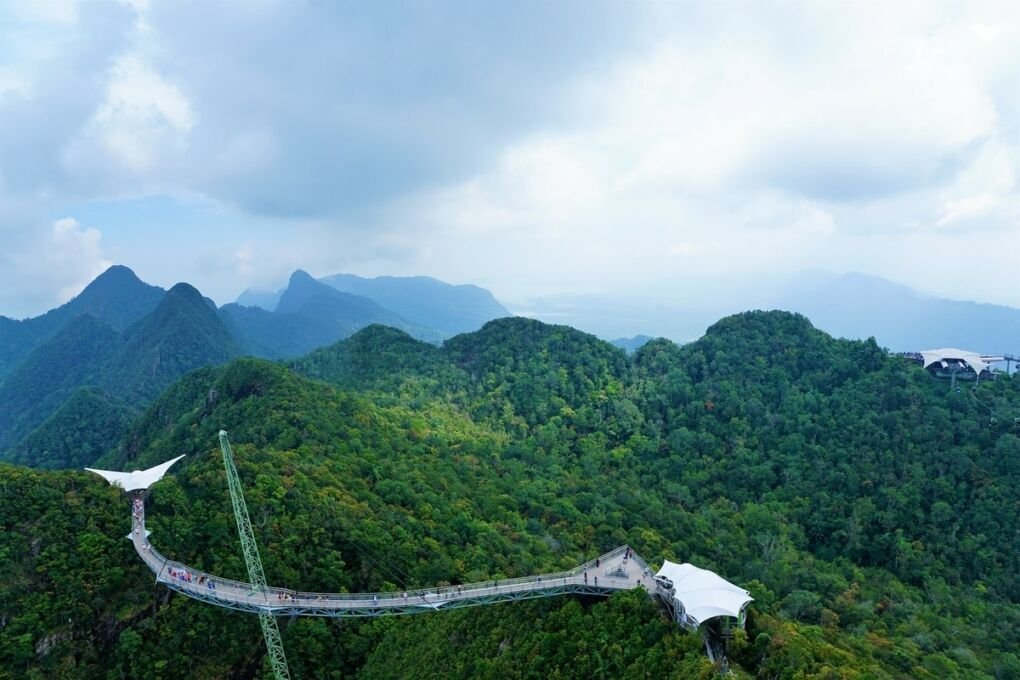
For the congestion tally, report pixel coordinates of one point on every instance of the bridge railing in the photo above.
(222, 588)
(641, 564)
(438, 593)
(210, 586)
(240, 591)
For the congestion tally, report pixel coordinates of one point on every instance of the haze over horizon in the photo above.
(534, 150)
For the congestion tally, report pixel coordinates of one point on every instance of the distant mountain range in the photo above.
(310, 314)
(122, 341)
(420, 301)
(117, 298)
(631, 345)
(899, 318)
(852, 306)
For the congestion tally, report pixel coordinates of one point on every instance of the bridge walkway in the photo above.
(618, 569)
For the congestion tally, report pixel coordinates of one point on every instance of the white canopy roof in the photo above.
(978, 362)
(704, 594)
(139, 479)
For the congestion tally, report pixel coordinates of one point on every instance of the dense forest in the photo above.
(182, 333)
(870, 510)
(130, 340)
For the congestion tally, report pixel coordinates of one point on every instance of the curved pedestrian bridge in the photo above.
(618, 569)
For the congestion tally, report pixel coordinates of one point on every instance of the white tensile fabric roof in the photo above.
(139, 479)
(703, 593)
(976, 361)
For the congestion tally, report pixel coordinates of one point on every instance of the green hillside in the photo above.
(871, 511)
(74, 356)
(116, 297)
(85, 427)
(181, 334)
(386, 361)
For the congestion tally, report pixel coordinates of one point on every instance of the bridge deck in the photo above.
(619, 569)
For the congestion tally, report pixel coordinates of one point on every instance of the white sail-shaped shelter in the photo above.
(696, 595)
(934, 358)
(137, 480)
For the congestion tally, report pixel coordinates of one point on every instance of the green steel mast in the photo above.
(270, 629)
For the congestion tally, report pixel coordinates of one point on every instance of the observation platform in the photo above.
(618, 569)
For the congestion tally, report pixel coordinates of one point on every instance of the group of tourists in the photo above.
(186, 576)
(181, 575)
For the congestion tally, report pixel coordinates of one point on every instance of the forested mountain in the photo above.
(309, 314)
(116, 297)
(420, 300)
(271, 335)
(131, 340)
(304, 295)
(85, 427)
(75, 356)
(870, 511)
(384, 359)
(426, 301)
(181, 334)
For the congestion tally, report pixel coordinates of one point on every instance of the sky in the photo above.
(534, 148)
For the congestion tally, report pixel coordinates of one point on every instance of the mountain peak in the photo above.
(301, 276)
(119, 273)
(185, 290)
(183, 333)
(188, 294)
(425, 301)
(303, 290)
(117, 296)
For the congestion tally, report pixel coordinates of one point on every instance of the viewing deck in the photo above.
(614, 571)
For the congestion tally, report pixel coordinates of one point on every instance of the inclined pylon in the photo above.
(256, 575)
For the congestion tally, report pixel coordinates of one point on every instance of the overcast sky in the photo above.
(532, 148)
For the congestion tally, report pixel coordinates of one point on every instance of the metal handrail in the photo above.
(230, 590)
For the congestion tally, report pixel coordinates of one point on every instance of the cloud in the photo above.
(852, 110)
(536, 185)
(50, 267)
(74, 253)
(244, 260)
(44, 11)
(534, 146)
(345, 107)
(141, 114)
(58, 66)
(967, 208)
(757, 143)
